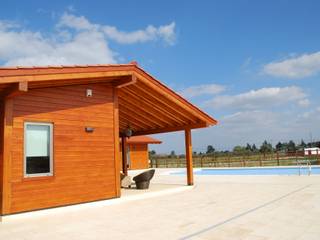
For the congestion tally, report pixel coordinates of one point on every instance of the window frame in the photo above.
(50, 173)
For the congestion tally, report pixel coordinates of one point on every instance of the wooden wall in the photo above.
(139, 156)
(84, 163)
(1, 152)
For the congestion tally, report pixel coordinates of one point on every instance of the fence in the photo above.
(232, 160)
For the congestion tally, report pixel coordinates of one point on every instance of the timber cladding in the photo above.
(83, 162)
(1, 152)
(139, 156)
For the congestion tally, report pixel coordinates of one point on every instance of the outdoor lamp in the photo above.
(128, 132)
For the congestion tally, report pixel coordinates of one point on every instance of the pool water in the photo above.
(254, 171)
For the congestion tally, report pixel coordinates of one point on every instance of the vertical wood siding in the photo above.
(1, 153)
(84, 163)
(139, 156)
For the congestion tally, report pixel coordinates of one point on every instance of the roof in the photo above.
(143, 139)
(312, 148)
(146, 105)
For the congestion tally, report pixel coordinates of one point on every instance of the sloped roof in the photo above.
(145, 104)
(143, 139)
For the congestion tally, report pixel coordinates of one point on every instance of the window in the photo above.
(38, 147)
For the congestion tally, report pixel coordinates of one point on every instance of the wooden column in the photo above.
(124, 155)
(6, 165)
(189, 156)
(116, 141)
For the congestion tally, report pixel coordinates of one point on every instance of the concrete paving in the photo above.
(218, 207)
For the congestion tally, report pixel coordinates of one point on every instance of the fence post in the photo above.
(260, 160)
(278, 161)
(229, 163)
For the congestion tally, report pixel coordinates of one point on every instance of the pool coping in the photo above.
(195, 170)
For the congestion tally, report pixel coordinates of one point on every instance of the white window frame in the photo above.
(50, 173)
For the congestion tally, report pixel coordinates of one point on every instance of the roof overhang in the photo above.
(145, 104)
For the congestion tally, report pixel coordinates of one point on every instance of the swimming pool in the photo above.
(253, 171)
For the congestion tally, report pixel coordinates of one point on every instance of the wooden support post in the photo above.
(189, 156)
(7, 150)
(124, 155)
(116, 141)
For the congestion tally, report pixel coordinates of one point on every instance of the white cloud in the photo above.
(260, 99)
(305, 65)
(304, 102)
(76, 22)
(206, 89)
(75, 40)
(33, 48)
(150, 33)
(248, 126)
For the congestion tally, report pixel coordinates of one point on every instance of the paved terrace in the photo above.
(218, 207)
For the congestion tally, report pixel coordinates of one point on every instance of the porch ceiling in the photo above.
(145, 104)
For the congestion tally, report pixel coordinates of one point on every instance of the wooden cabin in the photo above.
(60, 128)
(138, 151)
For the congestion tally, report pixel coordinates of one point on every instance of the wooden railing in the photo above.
(232, 160)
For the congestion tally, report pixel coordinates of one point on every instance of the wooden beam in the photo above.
(149, 106)
(126, 81)
(141, 90)
(6, 165)
(124, 155)
(143, 113)
(170, 129)
(175, 98)
(188, 144)
(134, 114)
(116, 141)
(64, 76)
(15, 90)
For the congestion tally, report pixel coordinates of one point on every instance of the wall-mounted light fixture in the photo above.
(89, 129)
(89, 93)
(128, 132)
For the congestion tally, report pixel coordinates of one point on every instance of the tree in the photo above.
(152, 153)
(254, 148)
(210, 149)
(302, 145)
(279, 146)
(248, 147)
(239, 150)
(291, 146)
(266, 147)
(172, 154)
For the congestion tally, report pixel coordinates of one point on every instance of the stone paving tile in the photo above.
(219, 207)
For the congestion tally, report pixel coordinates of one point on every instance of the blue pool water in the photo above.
(254, 171)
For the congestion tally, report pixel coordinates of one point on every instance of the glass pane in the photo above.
(37, 149)
(38, 165)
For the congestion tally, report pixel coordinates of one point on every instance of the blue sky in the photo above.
(253, 65)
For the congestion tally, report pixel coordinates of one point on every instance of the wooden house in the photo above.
(138, 152)
(60, 128)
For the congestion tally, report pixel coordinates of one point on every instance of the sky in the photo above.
(252, 65)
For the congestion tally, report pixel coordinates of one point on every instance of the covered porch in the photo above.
(145, 106)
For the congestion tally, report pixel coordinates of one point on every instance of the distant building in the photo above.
(311, 151)
(137, 151)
